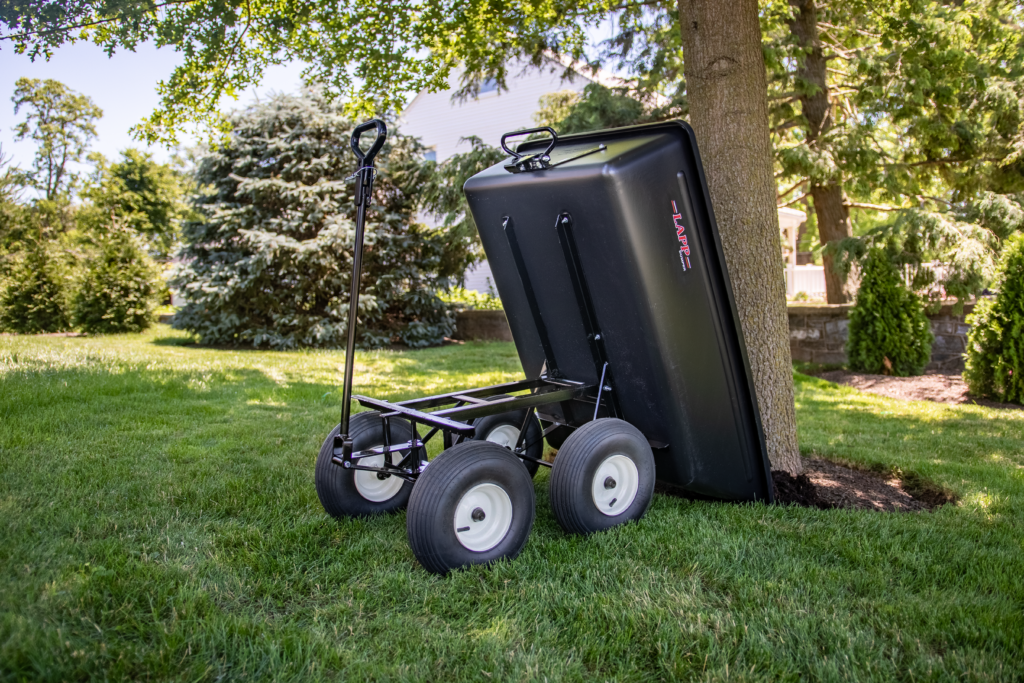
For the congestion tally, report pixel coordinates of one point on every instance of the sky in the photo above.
(123, 86)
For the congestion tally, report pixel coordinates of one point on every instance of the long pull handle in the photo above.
(364, 187)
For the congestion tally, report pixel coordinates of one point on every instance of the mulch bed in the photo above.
(938, 387)
(826, 485)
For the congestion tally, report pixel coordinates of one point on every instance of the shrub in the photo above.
(35, 297)
(889, 332)
(459, 297)
(119, 288)
(995, 344)
(270, 263)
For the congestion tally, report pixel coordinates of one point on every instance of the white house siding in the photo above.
(440, 123)
(479, 277)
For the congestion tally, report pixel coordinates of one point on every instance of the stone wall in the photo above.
(482, 326)
(818, 332)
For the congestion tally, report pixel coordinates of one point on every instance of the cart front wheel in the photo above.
(474, 504)
(504, 430)
(603, 476)
(356, 493)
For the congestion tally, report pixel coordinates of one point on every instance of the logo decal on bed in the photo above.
(684, 248)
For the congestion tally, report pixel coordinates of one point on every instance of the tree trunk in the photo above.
(833, 224)
(728, 93)
(832, 214)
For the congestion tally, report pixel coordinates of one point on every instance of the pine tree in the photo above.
(35, 298)
(889, 332)
(270, 263)
(119, 286)
(995, 345)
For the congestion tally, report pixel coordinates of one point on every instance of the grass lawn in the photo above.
(159, 522)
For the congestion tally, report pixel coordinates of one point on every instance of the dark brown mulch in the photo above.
(826, 485)
(938, 387)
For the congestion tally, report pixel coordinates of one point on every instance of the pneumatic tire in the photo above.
(473, 504)
(603, 476)
(355, 493)
(504, 429)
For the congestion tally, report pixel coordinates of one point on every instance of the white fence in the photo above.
(807, 279)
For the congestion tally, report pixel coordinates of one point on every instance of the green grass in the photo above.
(159, 522)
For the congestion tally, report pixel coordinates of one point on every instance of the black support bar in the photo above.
(531, 297)
(574, 265)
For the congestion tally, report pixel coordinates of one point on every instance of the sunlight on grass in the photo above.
(160, 523)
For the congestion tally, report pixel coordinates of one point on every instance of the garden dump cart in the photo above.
(605, 253)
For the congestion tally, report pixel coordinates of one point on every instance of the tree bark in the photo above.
(829, 207)
(728, 93)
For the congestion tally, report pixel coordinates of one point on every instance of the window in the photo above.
(488, 86)
(430, 155)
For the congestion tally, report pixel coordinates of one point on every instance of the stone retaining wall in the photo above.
(818, 333)
(482, 326)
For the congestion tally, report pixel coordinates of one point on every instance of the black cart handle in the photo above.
(382, 135)
(545, 129)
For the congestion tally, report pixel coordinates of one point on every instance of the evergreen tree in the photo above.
(270, 263)
(118, 288)
(35, 297)
(995, 344)
(889, 332)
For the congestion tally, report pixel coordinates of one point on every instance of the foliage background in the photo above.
(269, 264)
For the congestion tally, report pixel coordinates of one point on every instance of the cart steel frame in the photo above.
(456, 423)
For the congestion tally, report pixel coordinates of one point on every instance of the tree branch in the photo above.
(872, 207)
(794, 187)
(792, 123)
(793, 201)
(88, 24)
(936, 162)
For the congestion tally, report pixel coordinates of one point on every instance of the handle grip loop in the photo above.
(367, 158)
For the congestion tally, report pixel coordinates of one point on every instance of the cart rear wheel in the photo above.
(603, 476)
(504, 429)
(355, 493)
(474, 504)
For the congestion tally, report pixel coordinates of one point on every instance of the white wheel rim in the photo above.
(370, 486)
(483, 517)
(504, 435)
(615, 485)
